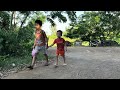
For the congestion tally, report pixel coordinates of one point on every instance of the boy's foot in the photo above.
(30, 67)
(64, 64)
(46, 64)
(56, 65)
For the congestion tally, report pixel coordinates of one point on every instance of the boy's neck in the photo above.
(38, 29)
(59, 37)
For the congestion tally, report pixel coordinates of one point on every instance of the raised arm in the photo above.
(53, 43)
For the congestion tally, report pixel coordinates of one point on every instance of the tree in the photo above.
(4, 20)
(93, 25)
(20, 18)
(16, 28)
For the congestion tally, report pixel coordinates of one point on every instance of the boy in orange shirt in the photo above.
(40, 44)
(61, 47)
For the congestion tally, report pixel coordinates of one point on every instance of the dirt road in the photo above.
(83, 63)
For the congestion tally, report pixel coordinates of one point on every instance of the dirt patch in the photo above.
(83, 63)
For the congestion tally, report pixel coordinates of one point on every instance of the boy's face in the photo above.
(37, 26)
(58, 34)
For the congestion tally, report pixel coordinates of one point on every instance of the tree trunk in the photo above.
(14, 18)
(22, 23)
(11, 19)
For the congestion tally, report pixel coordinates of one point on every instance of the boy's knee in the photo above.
(34, 55)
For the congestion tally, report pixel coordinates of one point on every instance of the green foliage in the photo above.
(6, 62)
(7, 43)
(17, 35)
(18, 42)
(16, 38)
(4, 20)
(53, 36)
(59, 14)
(92, 25)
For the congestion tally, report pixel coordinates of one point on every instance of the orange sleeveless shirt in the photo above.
(40, 36)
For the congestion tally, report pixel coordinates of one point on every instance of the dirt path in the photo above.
(83, 63)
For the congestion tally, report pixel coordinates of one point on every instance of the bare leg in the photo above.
(56, 60)
(46, 57)
(64, 60)
(33, 61)
(56, 64)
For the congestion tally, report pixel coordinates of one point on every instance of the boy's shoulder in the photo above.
(43, 31)
(63, 38)
(60, 39)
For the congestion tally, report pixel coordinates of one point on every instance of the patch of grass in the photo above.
(85, 43)
(117, 40)
(7, 63)
(51, 40)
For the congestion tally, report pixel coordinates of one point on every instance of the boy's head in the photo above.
(59, 33)
(38, 24)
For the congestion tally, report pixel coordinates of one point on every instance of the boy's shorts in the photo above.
(61, 53)
(38, 49)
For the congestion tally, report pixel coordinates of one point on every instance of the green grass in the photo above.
(85, 43)
(117, 40)
(6, 63)
(51, 40)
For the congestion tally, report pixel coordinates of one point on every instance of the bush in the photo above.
(16, 42)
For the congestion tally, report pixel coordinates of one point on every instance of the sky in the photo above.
(60, 26)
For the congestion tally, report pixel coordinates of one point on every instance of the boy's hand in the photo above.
(33, 47)
(66, 50)
(48, 47)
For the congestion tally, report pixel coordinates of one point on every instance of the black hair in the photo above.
(39, 22)
(60, 32)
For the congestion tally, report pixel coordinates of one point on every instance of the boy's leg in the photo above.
(62, 53)
(57, 60)
(64, 58)
(56, 64)
(57, 55)
(34, 56)
(46, 57)
(33, 61)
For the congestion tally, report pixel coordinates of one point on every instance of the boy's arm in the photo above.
(34, 43)
(46, 39)
(53, 43)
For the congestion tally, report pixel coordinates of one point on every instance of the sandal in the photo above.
(30, 67)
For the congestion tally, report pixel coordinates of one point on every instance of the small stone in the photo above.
(88, 51)
(1, 74)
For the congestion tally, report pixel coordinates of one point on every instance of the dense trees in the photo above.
(96, 25)
(17, 27)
